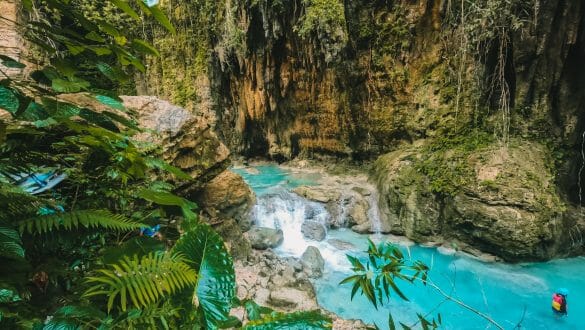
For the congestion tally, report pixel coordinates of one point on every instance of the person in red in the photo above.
(559, 302)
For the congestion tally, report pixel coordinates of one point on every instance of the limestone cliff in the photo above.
(359, 79)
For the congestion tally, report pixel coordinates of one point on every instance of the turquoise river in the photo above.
(516, 296)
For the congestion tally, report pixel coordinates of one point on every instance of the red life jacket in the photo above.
(559, 303)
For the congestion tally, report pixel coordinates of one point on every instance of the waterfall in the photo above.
(287, 211)
(374, 213)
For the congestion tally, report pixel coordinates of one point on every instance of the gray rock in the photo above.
(313, 261)
(287, 297)
(362, 191)
(263, 238)
(364, 228)
(317, 194)
(341, 245)
(310, 212)
(314, 230)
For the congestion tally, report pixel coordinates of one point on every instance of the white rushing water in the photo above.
(287, 211)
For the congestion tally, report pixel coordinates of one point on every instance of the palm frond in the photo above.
(42, 224)
(206, 253)
(145, 280)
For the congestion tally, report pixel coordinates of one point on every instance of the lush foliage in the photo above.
(376, 277)
(77, 192)
(324, 20)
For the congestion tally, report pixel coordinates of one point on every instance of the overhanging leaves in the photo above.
(206, 253)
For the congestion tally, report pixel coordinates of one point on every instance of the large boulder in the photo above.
(235, 241)
(499, 199)
(317, 193)
(228, 196)
(187, 140)
(313, 230)
(263, 238)
(313, 261)
(189, 143)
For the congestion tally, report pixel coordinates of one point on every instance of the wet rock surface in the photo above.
(313, 261)
(263, 238)
(314, 230)
(282, 284)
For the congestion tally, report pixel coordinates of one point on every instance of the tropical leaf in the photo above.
(169, 199)
(162, 165)
(74, 317)
(8, 100)
(42, 224)
(10, 243)
(69, 86)
(255, 311)
(10, 62)
(162, 18)
(124, 6)
(206, 253)
(110, 102)
(144, 47)
(144, 280)
(306, 320)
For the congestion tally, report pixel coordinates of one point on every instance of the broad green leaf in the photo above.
(113, 73)
(8, 100)
(11, 63)
(124, 6)
(206, 253)
(69, 86)
(100, 51)
(75, 49)
(109, 29)
(94, 36)
(162, 18)
(110, 102)
(165, 198)
(65, 67)
(255, 311)
(144, 47)
(98, 119)
(162, 165)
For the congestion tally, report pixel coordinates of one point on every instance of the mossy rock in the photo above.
(502, 198)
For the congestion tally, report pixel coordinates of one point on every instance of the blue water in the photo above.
(509, 293)
(264, 179)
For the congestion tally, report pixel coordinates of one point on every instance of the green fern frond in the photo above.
(10, 244)
(156, 316)
(42, 224)
(144, 280)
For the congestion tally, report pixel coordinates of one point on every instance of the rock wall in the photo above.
(506, 204)
(359, 79)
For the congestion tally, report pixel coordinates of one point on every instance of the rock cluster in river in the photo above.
(350, 200)
(280, 283)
